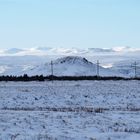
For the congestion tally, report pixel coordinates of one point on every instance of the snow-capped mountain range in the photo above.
(65, 66)
(69, 66)
(65, 51)
(69, 61)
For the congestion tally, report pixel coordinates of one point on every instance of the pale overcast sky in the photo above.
(69, 23)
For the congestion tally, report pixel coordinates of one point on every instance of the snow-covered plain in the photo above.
(76, 110)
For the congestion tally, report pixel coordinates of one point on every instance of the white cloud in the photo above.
(40, 51)
(125, 49)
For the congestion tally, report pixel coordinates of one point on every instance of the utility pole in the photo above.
(135, 65)
(98, 71)
(52, 70)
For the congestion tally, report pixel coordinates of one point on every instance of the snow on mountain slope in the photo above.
(67, 51)
(127, 67)
(70, 66)
(13, 51)
(67, 65)
(16, 65)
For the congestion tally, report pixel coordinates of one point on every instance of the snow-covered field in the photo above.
(80, 110)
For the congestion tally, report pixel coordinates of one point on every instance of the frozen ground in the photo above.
(92, 110)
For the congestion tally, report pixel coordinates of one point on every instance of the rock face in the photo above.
(73, 60)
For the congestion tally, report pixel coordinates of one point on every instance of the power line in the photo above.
(135, 66)
(52, 70)
(98, 68)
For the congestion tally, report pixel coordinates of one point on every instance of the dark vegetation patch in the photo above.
(25, 77)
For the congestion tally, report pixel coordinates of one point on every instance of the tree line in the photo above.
(25, 77)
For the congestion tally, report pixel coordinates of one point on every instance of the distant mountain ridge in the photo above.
(65, 66)
(70, 65)
(64, 51)
(72, 60)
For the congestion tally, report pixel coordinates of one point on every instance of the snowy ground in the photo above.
(92, 110)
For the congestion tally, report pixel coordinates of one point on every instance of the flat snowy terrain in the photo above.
(80, 110)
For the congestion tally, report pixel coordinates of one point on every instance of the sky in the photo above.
(69, 23)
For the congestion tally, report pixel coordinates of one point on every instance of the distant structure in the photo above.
(135, 67)
(52, 70)
(98, 68)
